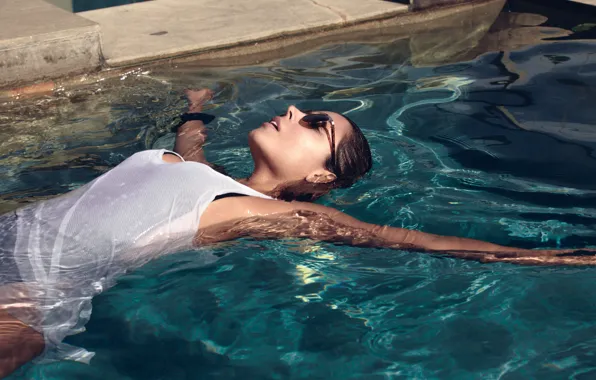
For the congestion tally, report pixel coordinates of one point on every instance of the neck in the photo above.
(261, 181)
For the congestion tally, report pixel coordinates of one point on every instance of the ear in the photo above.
(323, 176)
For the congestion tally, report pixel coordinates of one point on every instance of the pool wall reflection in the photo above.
(88, 5)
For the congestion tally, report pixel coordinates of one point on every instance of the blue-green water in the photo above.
(498, 147)
(88, 5)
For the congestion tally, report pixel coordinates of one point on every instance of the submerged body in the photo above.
(74, 246)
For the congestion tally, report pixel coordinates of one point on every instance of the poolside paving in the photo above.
(588, 2)
(37, 37)
(41, 41)
(163, 28)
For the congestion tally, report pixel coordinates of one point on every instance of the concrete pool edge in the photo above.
(252, 42)
(261, 49)
(39, 40)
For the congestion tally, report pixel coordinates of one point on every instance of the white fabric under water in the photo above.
(72, 247)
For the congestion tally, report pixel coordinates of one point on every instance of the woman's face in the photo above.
(291, 150)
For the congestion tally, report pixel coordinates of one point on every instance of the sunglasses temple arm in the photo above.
(333, 146)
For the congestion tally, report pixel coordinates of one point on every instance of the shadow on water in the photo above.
(481, 127)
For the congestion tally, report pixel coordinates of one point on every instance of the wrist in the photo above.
(190, 116)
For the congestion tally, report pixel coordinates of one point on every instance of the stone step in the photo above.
(162, 28)
(39, 40)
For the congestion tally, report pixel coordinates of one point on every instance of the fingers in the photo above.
(563, 257)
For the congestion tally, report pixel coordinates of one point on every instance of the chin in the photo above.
(251, 134)
(260, 137)
(255, 138)
(262, 148)
(255, 141)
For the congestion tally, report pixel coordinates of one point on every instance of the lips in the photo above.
(275, 122)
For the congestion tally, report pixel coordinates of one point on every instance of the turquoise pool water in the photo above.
(497, 145)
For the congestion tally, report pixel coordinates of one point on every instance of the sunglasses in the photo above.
(320, 120)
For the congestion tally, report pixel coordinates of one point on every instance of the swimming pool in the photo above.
(490, 145)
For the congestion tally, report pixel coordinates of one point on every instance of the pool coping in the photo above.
(239, 52)
(587, 2)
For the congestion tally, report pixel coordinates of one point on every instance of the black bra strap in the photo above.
(228, 195)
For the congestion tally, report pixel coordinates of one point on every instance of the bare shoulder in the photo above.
(236, 208)
(234, 217)
(171, 158)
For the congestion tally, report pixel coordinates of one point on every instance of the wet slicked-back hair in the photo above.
(354, 160)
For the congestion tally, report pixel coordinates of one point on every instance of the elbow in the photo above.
(410, 238)
(395, 237)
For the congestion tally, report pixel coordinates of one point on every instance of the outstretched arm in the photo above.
(191, 136)
(274, 219)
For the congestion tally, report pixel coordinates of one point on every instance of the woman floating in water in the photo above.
(57, 254)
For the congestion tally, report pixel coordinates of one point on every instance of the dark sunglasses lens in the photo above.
(316, 120)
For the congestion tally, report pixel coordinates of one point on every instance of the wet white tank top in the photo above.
(73, 246)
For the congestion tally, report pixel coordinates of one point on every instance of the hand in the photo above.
(197, 98)
(532, 257)
(191, 136)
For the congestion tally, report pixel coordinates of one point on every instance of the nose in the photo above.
(294, 113)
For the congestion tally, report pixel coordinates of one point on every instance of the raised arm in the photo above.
(191, 136)
(270, 219)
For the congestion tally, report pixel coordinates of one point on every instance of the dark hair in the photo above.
(353, 161)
